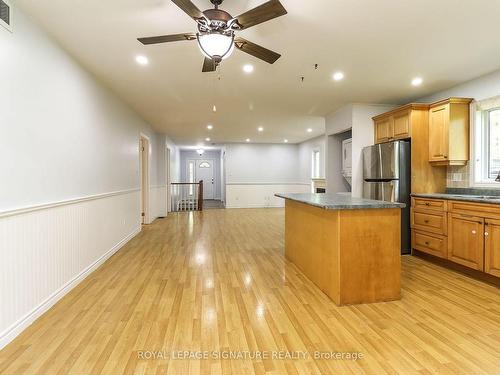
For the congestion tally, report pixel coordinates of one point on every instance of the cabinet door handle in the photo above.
(474, 232)
(426, 221)
(427, 204)
(486, 234)
(427, 243)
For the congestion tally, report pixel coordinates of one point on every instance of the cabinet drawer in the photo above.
(434, 245)
(433, 222)
(476, 209)
(429, 204)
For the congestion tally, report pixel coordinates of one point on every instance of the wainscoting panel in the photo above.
(260, 195)
(157, 202)
(45, 252)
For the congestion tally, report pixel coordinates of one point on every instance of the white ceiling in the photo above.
(380, 45)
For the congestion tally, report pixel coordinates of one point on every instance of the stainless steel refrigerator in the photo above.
(387, 177)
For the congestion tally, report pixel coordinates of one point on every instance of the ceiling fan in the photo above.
(216, 31)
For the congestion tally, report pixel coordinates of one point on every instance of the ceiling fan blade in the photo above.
(208, 65)
(167, 38)
(262, 13)
(256, 50)
(189, 8)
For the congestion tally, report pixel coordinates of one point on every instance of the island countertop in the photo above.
(339, 201)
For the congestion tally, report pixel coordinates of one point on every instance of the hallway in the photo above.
(209, 204)
(217, 281)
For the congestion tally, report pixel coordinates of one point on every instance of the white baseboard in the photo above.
(13, 331)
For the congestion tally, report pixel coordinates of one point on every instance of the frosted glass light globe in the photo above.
(216, 45)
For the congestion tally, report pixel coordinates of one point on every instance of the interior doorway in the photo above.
(144, 172)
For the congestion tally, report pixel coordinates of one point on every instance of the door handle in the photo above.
(474, 232)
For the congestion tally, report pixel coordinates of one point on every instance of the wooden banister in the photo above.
(200, 196)
(187, 196)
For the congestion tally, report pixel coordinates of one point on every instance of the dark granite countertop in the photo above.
(339, 201)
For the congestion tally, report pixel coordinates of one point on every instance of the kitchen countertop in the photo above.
(490, 199)
(339, 201)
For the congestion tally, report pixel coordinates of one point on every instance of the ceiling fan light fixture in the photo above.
(216, 46)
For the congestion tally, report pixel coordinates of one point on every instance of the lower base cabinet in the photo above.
(492, 247)
(470, 234)
(466, 241)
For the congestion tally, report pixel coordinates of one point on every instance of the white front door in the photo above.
(205, 172)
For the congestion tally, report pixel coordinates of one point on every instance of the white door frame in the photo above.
(168, 180)
(196, 167)
(144, 168)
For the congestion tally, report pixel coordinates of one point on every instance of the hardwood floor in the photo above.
(218, 281)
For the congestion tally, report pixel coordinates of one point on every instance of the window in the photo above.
(191, 176)
(487, 145)
(205, 164)
(315, 164)
(493, 128)
(5, 14)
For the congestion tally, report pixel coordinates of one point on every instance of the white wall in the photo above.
(305, 158)
(69, 172)
(255, 172)
(362, 136)
(358, 118)
(63, 132)
(340, 120)
(481, 88)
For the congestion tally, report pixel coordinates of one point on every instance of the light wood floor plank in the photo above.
(218, 281)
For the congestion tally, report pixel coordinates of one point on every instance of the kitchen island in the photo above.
(349, 247)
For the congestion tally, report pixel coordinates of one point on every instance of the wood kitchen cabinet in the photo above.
(429, 223)
(472, 238)
(412, 122)
(393, 125)
(383, 130)
(449, 132)
(466, 240)
(401, 124)
(492, 247)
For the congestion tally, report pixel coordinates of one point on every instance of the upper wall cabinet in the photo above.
(383, 130)
(449, 132)
(393, 125)
(412, 121)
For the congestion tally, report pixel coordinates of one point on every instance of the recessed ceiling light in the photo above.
(142, 60)
(417, 81)
(260, 128)
(338, 76)
(248, 68)
(286, 141)
(210, 127)
(207, 139)
(248, 140)
(309, 130)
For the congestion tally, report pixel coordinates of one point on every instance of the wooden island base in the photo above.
(353, 256)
